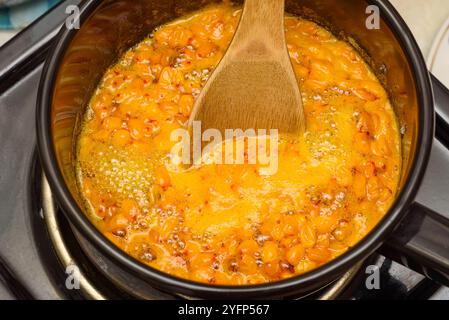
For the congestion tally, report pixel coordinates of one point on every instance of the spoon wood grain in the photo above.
(254, 86)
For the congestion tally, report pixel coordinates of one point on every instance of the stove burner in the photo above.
(55, 230)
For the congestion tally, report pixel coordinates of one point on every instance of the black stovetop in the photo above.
(29, 267)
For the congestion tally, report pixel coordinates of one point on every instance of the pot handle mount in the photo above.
(421, 240)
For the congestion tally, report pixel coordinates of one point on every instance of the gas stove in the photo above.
(37, 245)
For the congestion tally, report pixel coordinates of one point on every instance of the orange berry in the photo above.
(307, 235)
(295, 254)
(269, 251)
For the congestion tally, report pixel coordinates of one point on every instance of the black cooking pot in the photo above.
(80, 57)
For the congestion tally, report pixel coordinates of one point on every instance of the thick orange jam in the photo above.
(233, 224)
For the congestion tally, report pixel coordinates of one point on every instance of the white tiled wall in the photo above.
(424, 18)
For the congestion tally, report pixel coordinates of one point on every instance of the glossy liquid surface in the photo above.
(233, 224)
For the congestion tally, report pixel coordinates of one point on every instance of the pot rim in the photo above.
(296, 284)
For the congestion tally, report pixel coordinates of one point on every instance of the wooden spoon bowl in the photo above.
(254, 86)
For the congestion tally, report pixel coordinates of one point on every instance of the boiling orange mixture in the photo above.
(231, 224)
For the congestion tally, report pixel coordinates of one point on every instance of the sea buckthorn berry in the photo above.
(199, 31)
(136, 128)
(166, 76)
(277, 232)
(295, 254)
(272, 268)
(300, 220)
(380, 164)
(168, 227)
(359, 186)
(205, 49)
(248, 265)
(305, 266)
(130, 209)
(232, 264)
(342, 231)
(379, 147)
(365, 124)
(364, 94)
(202, 260)
(290, 225)
(185, 105)
(112, 123)
(169, 108)
(101, 211)
(142, 148)
(336, 248)
(118, 225)
(385, 195)
(179, 37)
(318, 254)
(237, 278)
(307, 235)
(248, 247)
(344, 176)
(162, 177)
(362, 142)
(202, 275)
(222, 277)
(270, 251)
(324, 223)
(323, 240)
(373, 189)
(256, 279)
(101, 135)
(153, 235)
(167, 56)
(192, 248)
(121, 137)
(370, 169)
(148, 255)
(289, 241)
(321, 69)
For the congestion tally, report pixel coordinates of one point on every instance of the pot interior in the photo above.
(114, 26)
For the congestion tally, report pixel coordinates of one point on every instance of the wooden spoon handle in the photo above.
(261, 28)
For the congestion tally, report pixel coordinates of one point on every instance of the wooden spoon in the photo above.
(254, 86)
